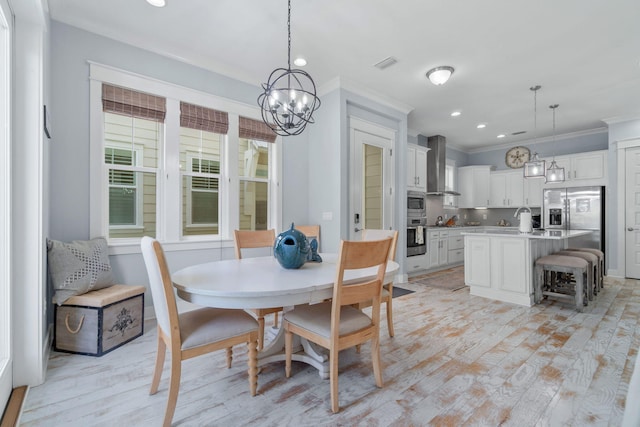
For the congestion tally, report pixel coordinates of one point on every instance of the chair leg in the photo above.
(260, 332)
(229, 356)
(375, 357)
(252, 347)
(174, 388)
(333, 378)
(288, 350)
(390, 314)
(275, 319)
(157, 372)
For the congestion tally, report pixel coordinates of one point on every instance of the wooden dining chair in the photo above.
(192, 333)
(247, 239)
(336, 324)
(387, 290)
(310, 231)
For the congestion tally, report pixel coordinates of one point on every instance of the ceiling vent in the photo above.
(520, 132)
(386, 63)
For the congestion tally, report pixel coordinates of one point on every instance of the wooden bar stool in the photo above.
(593, 275)
(600, 255)
(549, 281)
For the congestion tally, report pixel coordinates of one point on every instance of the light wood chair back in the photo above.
(336, 324)
(246, 239)
(310, 231)
(379, 234)
(387, 292)
(206, 329)
(252, 239)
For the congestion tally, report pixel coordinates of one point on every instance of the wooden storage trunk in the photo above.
(99, 321)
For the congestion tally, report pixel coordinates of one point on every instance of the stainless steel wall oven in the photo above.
(416, 236)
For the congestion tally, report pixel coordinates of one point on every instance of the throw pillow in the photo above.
(78, 267)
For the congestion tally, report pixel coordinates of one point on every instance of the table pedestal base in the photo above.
(303, 351)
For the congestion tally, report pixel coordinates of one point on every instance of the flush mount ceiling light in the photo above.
(555, 173)
(535, 168)
(289, 98)
(300, 62)
(157, 3)
(439, 75)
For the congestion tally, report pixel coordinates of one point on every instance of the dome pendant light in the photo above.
(555, 173)
(439, 75)
(289, 98)
(535, 168)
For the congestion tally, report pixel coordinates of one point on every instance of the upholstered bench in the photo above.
(600, 256)
(99, 321)
(593, 275)
(548, 281)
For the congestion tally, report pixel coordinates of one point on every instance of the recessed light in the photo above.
(455, 114)
(300, 62)
(502, 135)
(481, 126)
(157, 3)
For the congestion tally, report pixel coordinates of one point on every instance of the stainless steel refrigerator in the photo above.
(576, 208)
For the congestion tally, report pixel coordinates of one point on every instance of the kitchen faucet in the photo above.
(515, 215)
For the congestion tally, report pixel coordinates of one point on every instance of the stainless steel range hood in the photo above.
(436, 165)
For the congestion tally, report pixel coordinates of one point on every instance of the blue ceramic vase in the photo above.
(291, 248)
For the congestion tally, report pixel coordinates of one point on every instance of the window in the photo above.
(131, 157)
(169, 166)
(254, 167)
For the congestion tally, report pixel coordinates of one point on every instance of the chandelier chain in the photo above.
(289, 35)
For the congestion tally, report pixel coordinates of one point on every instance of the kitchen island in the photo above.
(499, 264)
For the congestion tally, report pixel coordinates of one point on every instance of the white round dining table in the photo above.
(261, 282)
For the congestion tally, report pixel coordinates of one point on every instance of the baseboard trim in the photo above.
(12, 413)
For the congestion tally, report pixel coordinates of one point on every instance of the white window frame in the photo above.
(190, 174)
(242, 179)
(168, 227)
(138, 186)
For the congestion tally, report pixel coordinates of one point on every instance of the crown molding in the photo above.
(621, 119)
(341, 83)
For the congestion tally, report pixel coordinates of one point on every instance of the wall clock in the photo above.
(516, 157)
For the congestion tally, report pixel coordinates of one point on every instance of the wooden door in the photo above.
(632, 215)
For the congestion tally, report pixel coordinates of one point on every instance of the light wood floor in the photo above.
(455, 360)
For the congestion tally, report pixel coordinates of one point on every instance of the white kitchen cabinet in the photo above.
(473, 186)
(506, 189)
(477, 266)
(416, 168)
(588, 168)
(455, 253)
(533, 192)
(438, 248)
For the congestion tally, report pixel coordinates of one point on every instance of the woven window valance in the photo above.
(202, 118)
(256, 129)
(128, 102)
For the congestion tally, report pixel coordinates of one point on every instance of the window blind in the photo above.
(255, 129)
(128, 102)
(202, 118)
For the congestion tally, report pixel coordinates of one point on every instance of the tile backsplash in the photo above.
(483, 216)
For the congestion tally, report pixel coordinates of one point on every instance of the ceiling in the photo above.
(584, 54)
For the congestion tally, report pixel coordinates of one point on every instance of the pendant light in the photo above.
(289, 98)
(555, 173)
(535, 168)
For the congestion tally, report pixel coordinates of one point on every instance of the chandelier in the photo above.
(535, 168)
(289, 98)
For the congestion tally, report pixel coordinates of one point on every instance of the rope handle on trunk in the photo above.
(66, 323)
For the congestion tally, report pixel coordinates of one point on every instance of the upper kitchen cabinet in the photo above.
(506, 189)
(588, 168)
(533, 192)
(416, 168)
(473, 185)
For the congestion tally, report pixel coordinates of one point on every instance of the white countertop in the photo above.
(536, 234)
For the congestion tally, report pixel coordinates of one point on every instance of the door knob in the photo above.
(357, 229)
(630, 229)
